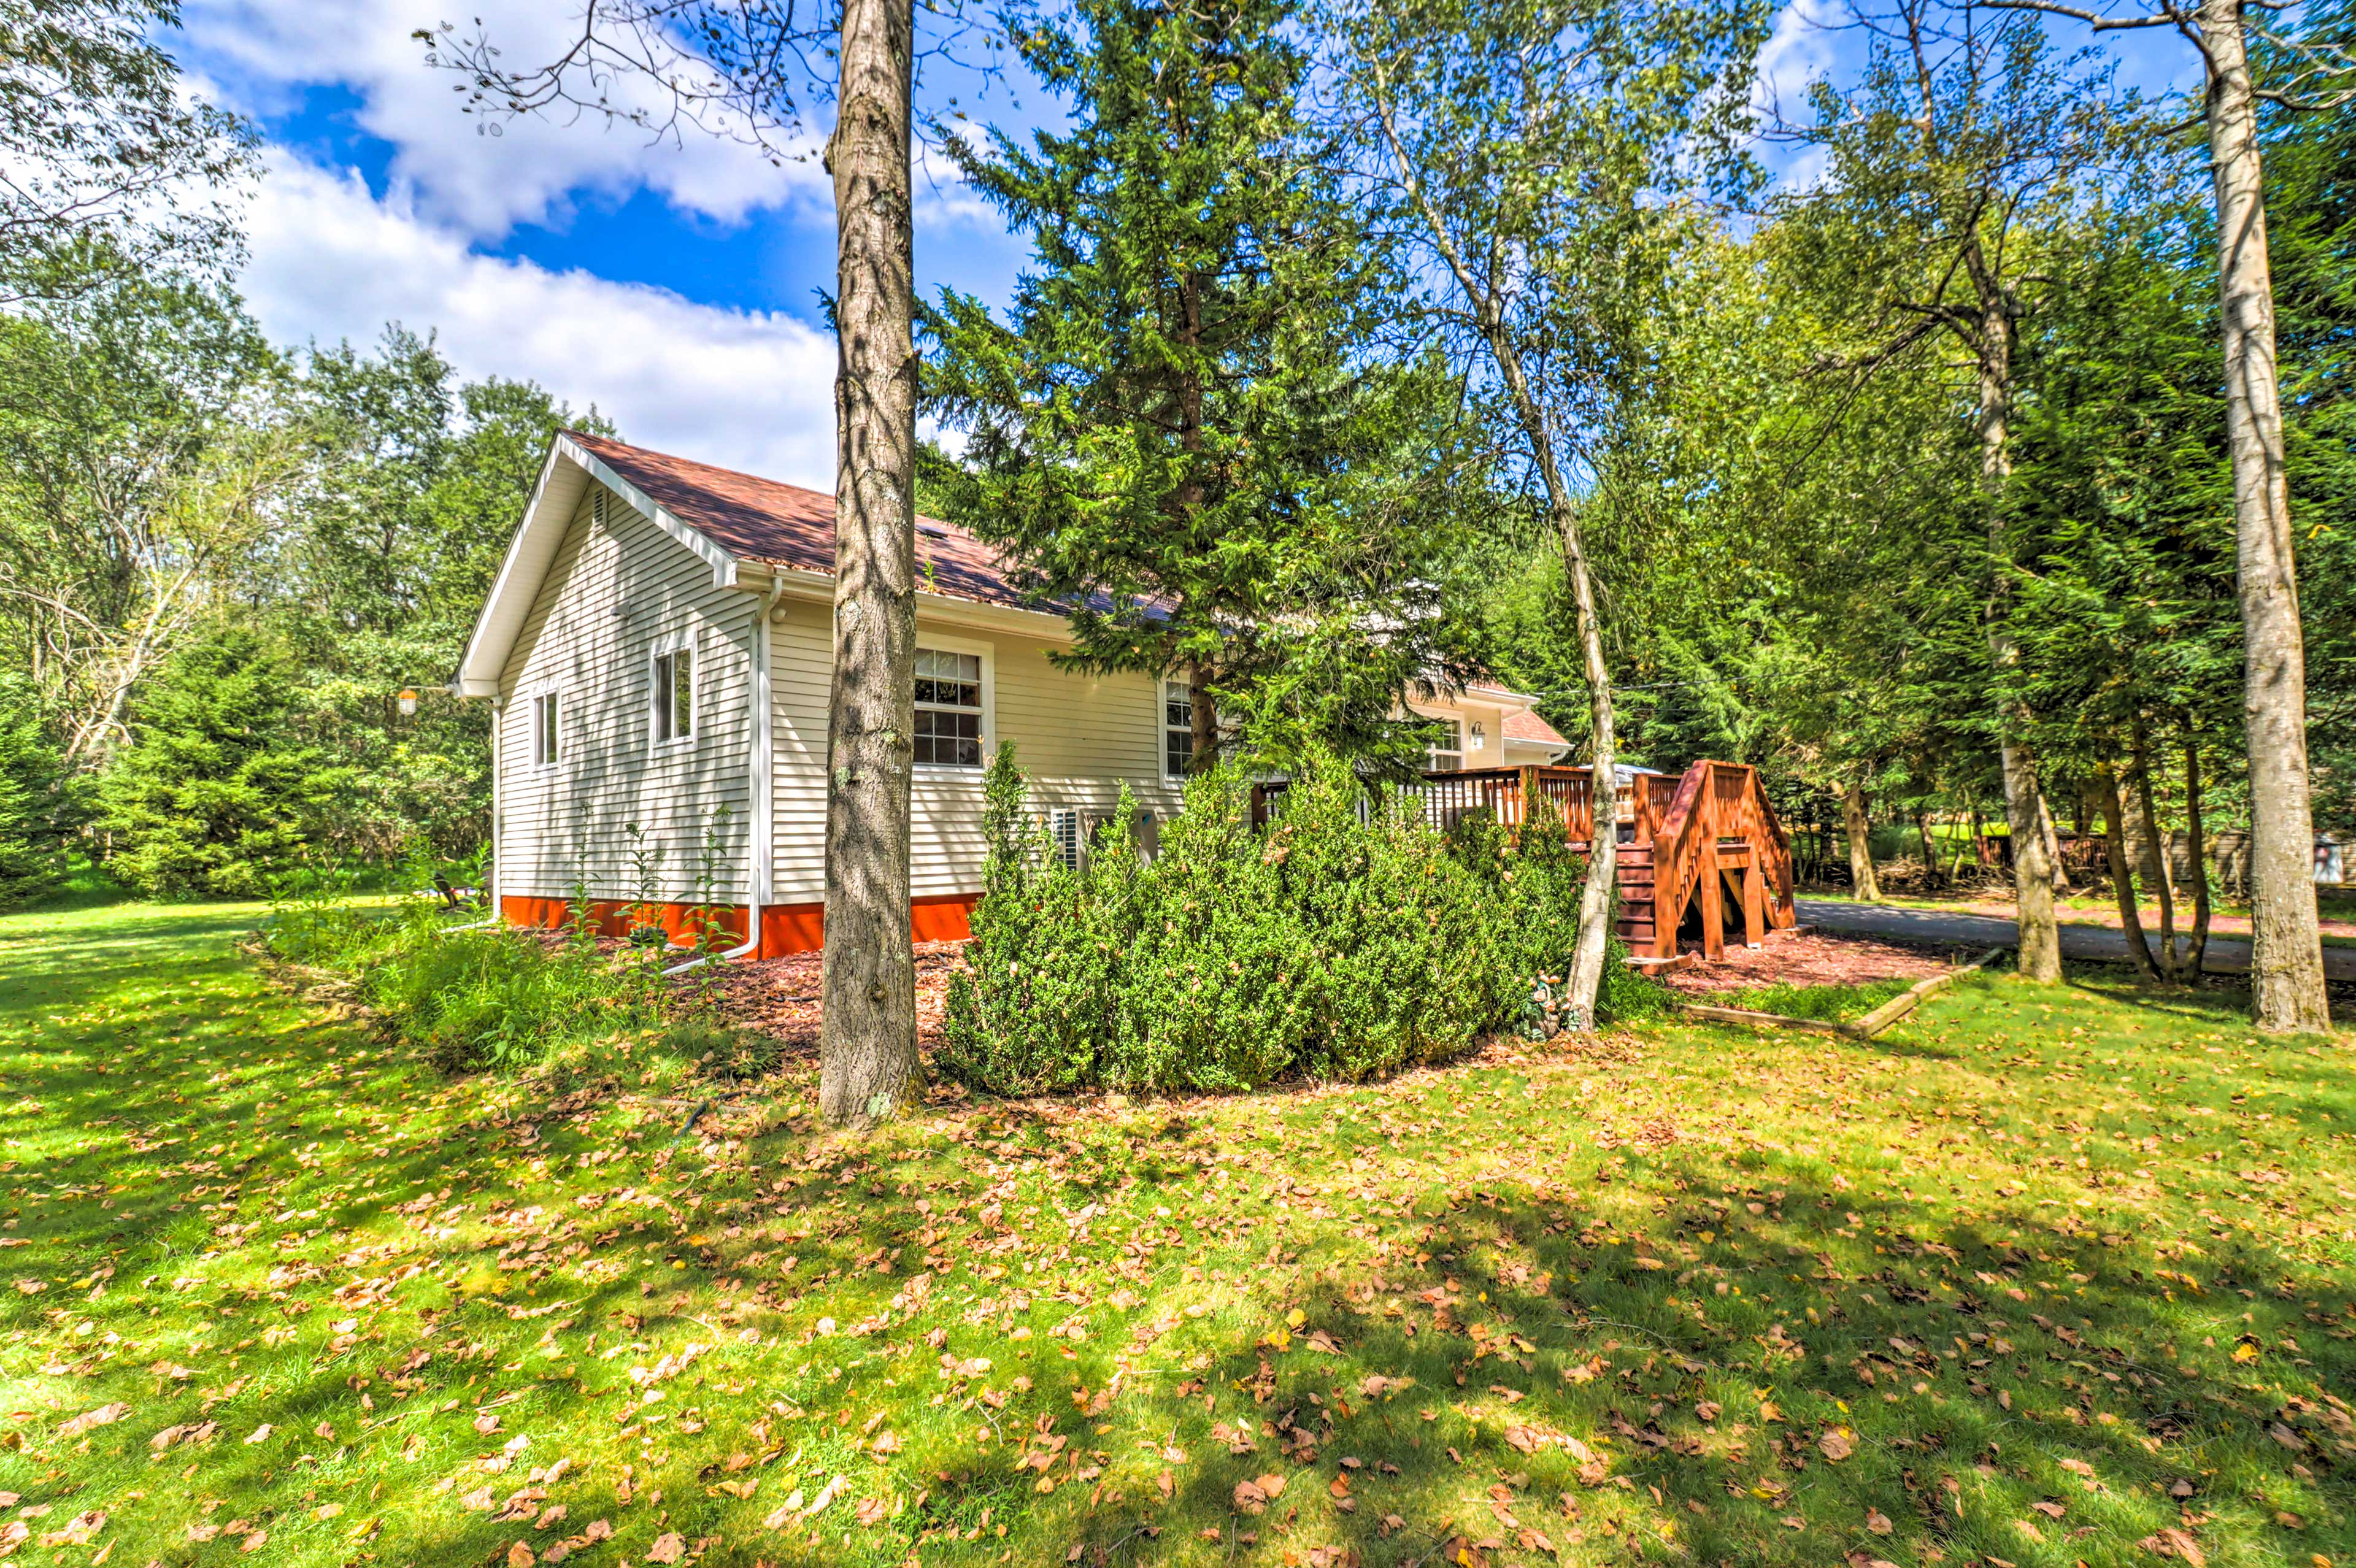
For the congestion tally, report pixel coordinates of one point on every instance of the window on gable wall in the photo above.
(674, 694)
(1447, 750)
(544, 732)
(949, 709)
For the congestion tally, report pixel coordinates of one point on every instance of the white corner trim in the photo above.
(764, 750)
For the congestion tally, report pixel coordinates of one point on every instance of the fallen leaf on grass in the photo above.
(2174, 1542)
(1835, 1445)
(520, 1555)
(668, 1548)
(1877, 1522)
(871, 1510)
(104, 1415)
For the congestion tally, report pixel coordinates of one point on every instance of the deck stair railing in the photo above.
(1707, 837)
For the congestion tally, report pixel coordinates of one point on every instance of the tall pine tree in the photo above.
(1182, 430)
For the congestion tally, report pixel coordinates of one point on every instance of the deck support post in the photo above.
(1713, 900)
(1754, 903)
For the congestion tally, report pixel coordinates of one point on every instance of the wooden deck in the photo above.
(1706, 842)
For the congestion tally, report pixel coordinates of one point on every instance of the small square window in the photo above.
(674, 694)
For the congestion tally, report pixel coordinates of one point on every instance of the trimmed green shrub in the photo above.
(1346, 939)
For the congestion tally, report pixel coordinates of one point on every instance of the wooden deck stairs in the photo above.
(1700, 852)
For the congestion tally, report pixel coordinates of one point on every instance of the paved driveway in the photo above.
(2226, 954)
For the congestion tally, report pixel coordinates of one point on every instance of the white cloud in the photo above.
(749, 389)
(1801, 51)
(262, 54)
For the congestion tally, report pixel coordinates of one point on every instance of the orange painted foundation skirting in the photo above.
(785, 928)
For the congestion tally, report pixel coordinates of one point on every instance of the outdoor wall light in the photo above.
(408, 702)
(1476, 734)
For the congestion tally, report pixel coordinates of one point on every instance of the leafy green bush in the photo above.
(1345, 940)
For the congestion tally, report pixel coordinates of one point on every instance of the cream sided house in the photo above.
(656, 651)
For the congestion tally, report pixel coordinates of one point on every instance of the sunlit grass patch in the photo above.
(2039, 1277)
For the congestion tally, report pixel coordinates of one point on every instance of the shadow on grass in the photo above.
(1700, 1346)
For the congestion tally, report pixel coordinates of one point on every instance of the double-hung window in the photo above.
(1447, 750)
(1177, 729)
(949, 709)
(673, 687)
(546, 737)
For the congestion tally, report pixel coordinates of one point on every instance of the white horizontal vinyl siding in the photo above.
(1078, 737)
(612, 593)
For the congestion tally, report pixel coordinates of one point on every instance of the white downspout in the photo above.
(762, 853)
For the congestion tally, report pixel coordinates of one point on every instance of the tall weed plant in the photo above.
(470, 997)
(1346, 939)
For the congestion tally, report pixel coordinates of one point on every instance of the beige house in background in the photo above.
(657, 653)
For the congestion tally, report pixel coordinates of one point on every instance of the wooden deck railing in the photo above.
(1710, 822)
(1443, 799)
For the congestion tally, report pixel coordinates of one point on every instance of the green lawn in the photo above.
(2034, 1278)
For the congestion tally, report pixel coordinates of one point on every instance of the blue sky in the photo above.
(674, 285)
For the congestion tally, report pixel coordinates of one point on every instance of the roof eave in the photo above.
(532, 550)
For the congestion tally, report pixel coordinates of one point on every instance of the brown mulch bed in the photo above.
(1810, 958)
(780, 997)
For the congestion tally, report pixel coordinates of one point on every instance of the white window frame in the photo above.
(927, 641)
(544, 736)
(1068, 836)
(1163, 729)
(658, 693)
(1433, 753)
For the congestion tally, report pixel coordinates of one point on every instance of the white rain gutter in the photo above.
(762, 853)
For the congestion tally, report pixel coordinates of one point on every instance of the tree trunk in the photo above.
(868, 1064)
(2197, 849)
(2053, 845)
(1861, 844)
(1930, 855)
(1202, 720)
(2106, 794)
(2024, 799)
(2155, 864)
(1601, 890)
(2286, 951)
(2144, 850)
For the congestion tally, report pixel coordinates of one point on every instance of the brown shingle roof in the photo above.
(785, 525)
(1526, 726)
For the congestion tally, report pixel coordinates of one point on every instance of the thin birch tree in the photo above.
(1544, 157)
(2287, 990)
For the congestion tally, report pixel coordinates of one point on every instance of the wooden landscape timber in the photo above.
(1878, 1021)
